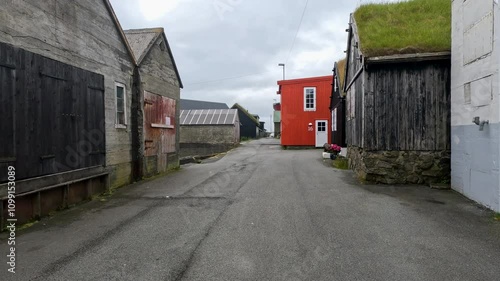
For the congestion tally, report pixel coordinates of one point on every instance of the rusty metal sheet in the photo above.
(159, 125)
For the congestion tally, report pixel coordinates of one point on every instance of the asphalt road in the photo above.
(263, 213)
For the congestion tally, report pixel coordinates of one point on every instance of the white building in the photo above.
(475, 157)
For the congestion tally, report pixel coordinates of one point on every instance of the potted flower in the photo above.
(333, 149)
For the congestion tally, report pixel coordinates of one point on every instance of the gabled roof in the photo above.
(120, 30)
(243, 110)
(198, 104)
(208, 117)
(339, 70)
(141, 41)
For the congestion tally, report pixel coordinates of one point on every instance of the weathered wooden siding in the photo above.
(52, 115)
(158, 76)
(82, 34)
(407, 106)
(355, 91)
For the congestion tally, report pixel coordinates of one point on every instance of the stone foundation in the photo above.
(400, 167)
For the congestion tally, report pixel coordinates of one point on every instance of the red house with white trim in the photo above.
(305, 113)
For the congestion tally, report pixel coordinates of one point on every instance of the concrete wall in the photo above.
(158, 76)
(83, 34)
(475, 155)
(208, 140)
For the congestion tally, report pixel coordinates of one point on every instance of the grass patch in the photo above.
(408, 27)
(496, 217)
(341, 163)
(341, 72)
(245, 139)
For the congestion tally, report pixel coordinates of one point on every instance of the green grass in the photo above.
(415, 26)
(341, 163)
(341, 72)
(496, 217)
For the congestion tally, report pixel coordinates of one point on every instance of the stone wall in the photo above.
(400, 167)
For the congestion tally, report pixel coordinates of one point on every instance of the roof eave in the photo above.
(417, 57)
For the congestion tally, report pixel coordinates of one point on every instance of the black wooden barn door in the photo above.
(52, 115)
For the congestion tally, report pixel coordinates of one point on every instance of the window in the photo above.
(321, 126)
(334, 120)
(310, 99)
(121, 105)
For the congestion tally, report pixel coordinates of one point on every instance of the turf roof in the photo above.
(341, 73)
(407, 27)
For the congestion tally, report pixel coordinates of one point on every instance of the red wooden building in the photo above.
(305, 113)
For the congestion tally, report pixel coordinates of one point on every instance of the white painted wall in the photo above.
(475, 92)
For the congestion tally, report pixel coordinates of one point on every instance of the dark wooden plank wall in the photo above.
(354, 125)
(53, 115)
(407, 106)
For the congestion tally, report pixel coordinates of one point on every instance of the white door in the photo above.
(321, 132)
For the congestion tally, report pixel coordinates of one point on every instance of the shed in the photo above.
(155, 103)
(208, 131)
(475, 91)
(337, 105)
(398, 92)
(65, 92)
(304, 111)
(250, 126)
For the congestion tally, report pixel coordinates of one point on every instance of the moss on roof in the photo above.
(415, 26)
(239, 107)
(341, 73)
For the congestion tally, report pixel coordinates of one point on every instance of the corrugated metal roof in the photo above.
(208, 117)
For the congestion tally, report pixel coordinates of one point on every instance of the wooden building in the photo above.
(337, 105)
(155, 105)
(250, 126)
(304, 111)
(398, 106)
(206, 132)
(66, 87)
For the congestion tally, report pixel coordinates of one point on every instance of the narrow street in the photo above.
(263, 213)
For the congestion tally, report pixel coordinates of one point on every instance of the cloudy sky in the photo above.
(229, 50)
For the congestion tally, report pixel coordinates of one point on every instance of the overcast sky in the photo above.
(214, 40)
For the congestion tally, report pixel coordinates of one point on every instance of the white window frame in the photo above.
(305, 99)
(119, 125)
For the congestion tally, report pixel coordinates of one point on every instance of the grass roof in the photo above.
(415, 26)
(341, 73)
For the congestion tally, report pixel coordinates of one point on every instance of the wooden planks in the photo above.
(54, 122)
(407, 106)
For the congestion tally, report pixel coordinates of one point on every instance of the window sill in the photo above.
(162, 126)
(120, 126)
(314, 109)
